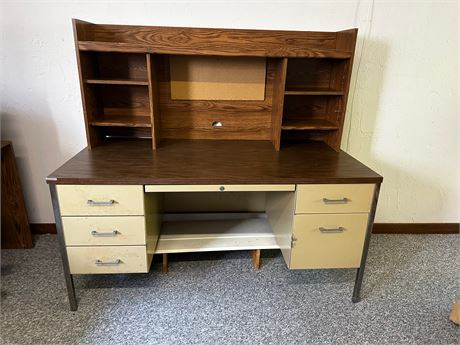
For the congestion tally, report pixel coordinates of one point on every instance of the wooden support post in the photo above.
(255, 254)
(165, 263)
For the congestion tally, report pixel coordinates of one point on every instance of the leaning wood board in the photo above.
(15, 224)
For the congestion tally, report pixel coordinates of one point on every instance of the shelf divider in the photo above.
(154, 98)
(278, 101)
(122, 121)
(107, 81)
(298, 91)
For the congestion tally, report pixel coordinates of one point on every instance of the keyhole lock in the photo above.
(221, 188)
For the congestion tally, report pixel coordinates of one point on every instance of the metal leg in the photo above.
(71, 292)
(65, 260)
(370, 223)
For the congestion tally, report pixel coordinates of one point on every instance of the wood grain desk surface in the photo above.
(211, 162)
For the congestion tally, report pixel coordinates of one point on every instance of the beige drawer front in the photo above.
(222, 188)
(103, 231)
(85, 200)
(116, 259)
(328, 241)
(334, 198)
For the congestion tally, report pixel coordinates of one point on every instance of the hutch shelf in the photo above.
(128, 82)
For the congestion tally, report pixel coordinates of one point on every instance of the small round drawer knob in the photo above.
(221, 188)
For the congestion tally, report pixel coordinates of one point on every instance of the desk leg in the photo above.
(165, 263)
(255, 254)
(370, 223)
(65, 260)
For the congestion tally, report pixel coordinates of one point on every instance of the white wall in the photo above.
(402, 116)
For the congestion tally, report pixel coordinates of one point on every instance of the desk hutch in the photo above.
(208, 140)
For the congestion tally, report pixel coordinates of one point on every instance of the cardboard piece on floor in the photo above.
(455, 314)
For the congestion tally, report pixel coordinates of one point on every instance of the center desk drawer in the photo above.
(328, 241)
(94, 231)
(116, 259)
(221, 188)
(334, 198)
(88, 200)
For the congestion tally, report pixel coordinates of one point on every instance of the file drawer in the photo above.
(88, 200)
(114, 259)
(98, 231)
(328, 241)
(334, 198)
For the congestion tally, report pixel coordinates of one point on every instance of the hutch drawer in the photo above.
(88, 200)
(334, 198)
(100, 231)
(110, 259)
(328, 241)
(222, 188)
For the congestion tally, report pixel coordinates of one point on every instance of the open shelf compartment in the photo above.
(312, 113)
(315, 93)
(316, 76)
(188, 220)
(200, 232)
(114, 68)
(119, 105)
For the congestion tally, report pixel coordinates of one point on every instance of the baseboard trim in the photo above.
(416, 228)
(43, 228)
(379, 228)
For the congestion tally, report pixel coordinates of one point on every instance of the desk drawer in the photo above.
(100, 231)
(334, 198)
(328, 241)
(116, 259)
(222, 188)
(87, 200)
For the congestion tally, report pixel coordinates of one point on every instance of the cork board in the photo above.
(217, 78)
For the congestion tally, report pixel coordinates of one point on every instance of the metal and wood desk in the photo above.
(241, 150)
(121, 202)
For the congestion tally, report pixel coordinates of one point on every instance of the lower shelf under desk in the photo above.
(195, 232)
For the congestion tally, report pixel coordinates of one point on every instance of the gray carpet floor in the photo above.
(217, 298)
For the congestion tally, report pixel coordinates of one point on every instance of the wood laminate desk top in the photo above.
(211, 162)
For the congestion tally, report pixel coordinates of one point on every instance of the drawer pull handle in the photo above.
(331, 230)
(105, 234)
(328, 201)
(100, 203)
(107, 263)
